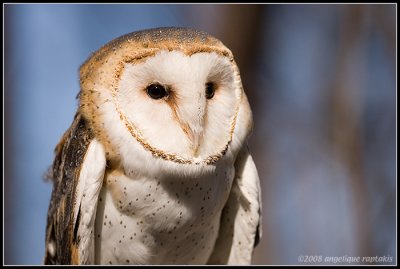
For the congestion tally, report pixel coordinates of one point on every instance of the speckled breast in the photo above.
(161, 220)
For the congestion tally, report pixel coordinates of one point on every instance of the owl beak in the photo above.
(191, 120)
(194, 137)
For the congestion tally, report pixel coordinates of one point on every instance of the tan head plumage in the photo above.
(101, 78)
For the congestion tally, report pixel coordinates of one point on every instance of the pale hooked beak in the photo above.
(194, 137)
(192, 123)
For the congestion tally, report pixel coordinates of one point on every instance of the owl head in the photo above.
(165, 98)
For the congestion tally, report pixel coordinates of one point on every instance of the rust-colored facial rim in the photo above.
(134, 131)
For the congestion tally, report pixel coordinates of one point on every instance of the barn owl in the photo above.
(155, 168)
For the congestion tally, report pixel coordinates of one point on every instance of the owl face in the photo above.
(180, 104)
(167, 98)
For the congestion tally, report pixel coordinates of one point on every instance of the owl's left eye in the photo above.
(210, 90)
(156, 91)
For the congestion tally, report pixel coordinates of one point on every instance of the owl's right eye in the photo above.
(156, 91)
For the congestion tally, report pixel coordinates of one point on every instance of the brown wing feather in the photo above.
(61, 241)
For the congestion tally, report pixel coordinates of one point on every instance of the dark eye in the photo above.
(156, 91)
(210, 90)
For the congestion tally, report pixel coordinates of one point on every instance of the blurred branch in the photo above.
(347, 99)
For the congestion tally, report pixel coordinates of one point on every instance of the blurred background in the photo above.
(321, 80)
